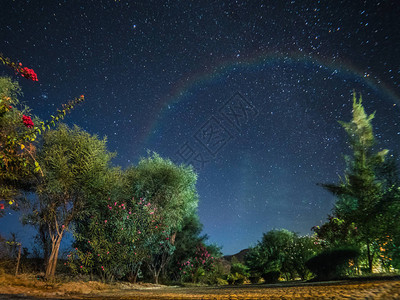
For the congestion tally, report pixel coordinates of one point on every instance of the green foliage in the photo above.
(200, 267)
(168, 186)
(367, 210)
(333, 263)
(336, 232)
(18, 132)
(281, 251)
(301, 250)
(76, 169)
(240, 269)
(186, 242)
(268, 254)
(114, 242)
(236, 278)
(220, 281)
(172, 190)
(239, 272)
(16, 154)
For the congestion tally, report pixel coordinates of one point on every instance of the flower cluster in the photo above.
(1, 206)
(28, 121)
(198, 266)
(17, 67)
(27, 73)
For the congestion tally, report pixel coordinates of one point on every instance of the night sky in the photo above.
(249, 92)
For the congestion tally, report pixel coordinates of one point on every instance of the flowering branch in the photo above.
(19, 69)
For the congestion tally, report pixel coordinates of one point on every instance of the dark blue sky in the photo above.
(250, 92)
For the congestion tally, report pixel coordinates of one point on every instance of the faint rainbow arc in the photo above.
(181, 89)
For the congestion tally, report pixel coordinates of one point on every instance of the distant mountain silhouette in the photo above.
(239, 256)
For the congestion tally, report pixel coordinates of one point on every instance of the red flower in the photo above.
(1, 206)
(27, 121)
(28, 73)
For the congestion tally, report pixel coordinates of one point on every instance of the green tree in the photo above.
(281, 252)
(172, 190)
(76, 168)
(269, 254)
(170, 187)
(360, 192)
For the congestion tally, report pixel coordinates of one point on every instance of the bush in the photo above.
(220, 281)
(240, 269)
(271, 277)
(236, 278)
(283, 251)
(332, 264)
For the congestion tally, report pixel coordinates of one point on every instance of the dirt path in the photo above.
(373, 289)
(354, 290)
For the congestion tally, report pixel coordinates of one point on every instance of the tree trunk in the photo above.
(370, 258)
(156, 277)
(18, 259)
(133, 276)
(45, 244)
(52, 263)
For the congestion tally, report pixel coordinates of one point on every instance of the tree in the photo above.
(281, 252)
(360, 192)
(172, 190)
(75, 167)
(170, 187)
(268, 255)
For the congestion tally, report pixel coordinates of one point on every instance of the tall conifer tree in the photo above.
(360, 192)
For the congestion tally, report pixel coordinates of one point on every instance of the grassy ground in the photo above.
(29, 287)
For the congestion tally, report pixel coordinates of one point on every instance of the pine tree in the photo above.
(360, 192)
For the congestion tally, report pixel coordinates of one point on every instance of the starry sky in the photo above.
(248, 92)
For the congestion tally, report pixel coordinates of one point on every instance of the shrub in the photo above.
(236, 278)
(333, 263)
(283, 251)
(240, 269)
(221, 281)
